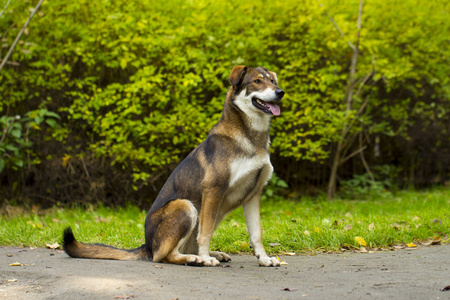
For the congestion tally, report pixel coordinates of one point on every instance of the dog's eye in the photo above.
(257, 81)
(271, 80)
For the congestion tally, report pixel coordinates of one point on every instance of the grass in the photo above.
(302, 226)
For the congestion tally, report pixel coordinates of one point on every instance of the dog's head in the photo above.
(256, 90)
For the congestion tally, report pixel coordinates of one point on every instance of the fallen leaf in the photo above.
(436, 221)
(363, 250)
(53, 246)
(281, 262)
(16, 264)
(436, 241)
(226, 266)
(447, 288)
(361, 241)
(158, 267)
(411, 245)
(289, 253)
(125, 297)
(399, 247)
(274, 244)
(11, 280)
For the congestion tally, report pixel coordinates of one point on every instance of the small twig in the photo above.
(5, 59)
(353, 154)
(84, 167)
(3, 10)
(363, 159)
(350, 44)
(363, 82)
(7, 128)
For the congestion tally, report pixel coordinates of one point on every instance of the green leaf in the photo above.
(18, 162)
(123, 63)
(2, 165)
(52, 115)
(51, 122)
(17, 133)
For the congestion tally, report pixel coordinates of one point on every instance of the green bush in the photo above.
(138, 84)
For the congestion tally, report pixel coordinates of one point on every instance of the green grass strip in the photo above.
(302, 226)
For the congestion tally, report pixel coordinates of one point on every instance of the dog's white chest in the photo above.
(245, 176)
(243, 167)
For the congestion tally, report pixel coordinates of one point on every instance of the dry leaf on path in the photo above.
(281, 262)
(411, 245)
(53, 246)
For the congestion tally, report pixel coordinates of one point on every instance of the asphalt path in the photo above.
(417, 273)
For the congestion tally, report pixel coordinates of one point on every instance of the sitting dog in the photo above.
(227, 170)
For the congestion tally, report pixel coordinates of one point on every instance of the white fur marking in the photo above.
(241, 167)
(259, 121)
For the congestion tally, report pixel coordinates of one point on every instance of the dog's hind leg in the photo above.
(171, 228)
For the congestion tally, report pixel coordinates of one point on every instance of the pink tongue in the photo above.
(275, 109)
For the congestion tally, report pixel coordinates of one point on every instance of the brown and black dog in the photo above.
(227, 170)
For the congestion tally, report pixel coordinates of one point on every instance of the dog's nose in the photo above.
(279, 93)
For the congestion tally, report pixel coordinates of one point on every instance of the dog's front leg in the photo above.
(211, 201)
(252, 217)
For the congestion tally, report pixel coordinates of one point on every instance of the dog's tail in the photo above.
(100, 251)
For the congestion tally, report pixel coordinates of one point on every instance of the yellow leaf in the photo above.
(361, 241)
(16, 264)
(281, 262)
(65, 159)
(411, 245)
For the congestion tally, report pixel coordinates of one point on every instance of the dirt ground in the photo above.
(405, 274)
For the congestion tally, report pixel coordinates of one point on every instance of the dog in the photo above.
(228, 169)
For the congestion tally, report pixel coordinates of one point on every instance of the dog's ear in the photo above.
(274, 75)
(237, 74)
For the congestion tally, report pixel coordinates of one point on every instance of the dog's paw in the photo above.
(265, 261)
(200, 261)
(211, 261)
(220, 256)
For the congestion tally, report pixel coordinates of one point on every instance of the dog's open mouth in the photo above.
(267, 107)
